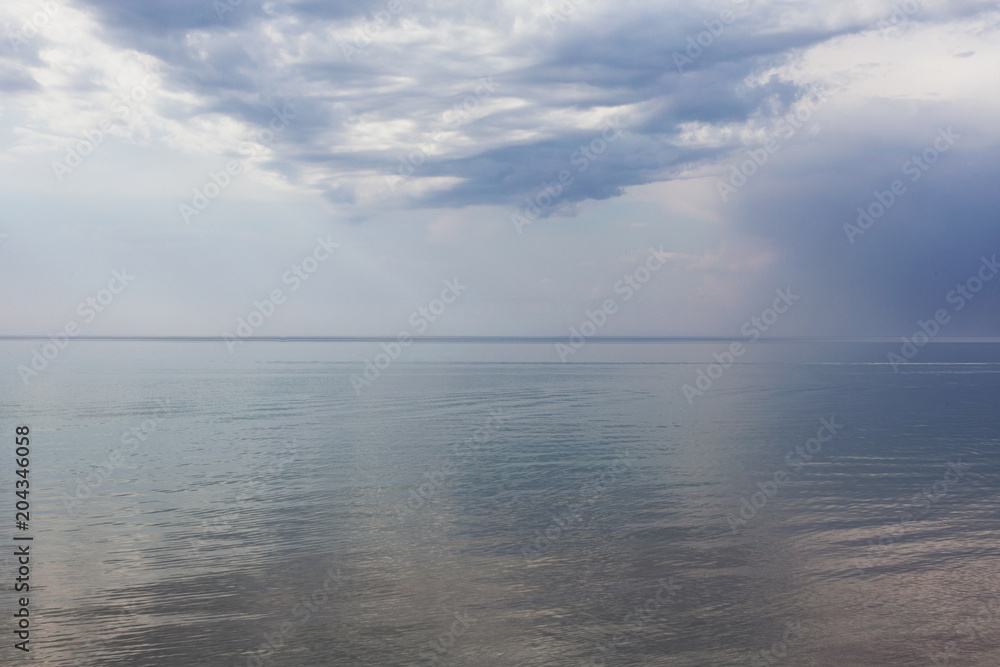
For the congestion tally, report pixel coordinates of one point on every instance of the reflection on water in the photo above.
(512, 514)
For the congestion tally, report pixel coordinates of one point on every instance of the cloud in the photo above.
(418, 62)
(453, 116)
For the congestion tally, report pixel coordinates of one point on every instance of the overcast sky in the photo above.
(428, 140)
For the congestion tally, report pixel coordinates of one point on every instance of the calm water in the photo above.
(189, 507)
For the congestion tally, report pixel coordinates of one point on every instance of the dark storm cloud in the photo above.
(586, 62)
(620, 59)
(917, 248)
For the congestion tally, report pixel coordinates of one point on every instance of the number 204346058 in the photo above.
(22, 452)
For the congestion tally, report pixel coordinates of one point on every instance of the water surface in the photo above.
(261, 511)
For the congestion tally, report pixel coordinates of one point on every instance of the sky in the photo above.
(173, 167)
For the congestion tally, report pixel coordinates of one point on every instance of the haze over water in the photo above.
(510, 511)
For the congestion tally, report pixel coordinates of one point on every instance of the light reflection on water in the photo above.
(269, 503)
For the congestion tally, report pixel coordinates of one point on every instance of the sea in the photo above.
(331, 503)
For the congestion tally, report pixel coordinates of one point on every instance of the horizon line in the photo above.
(502, 339)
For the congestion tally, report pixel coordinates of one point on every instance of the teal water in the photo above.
(197, 508)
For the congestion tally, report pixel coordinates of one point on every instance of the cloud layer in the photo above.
(539, 150)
